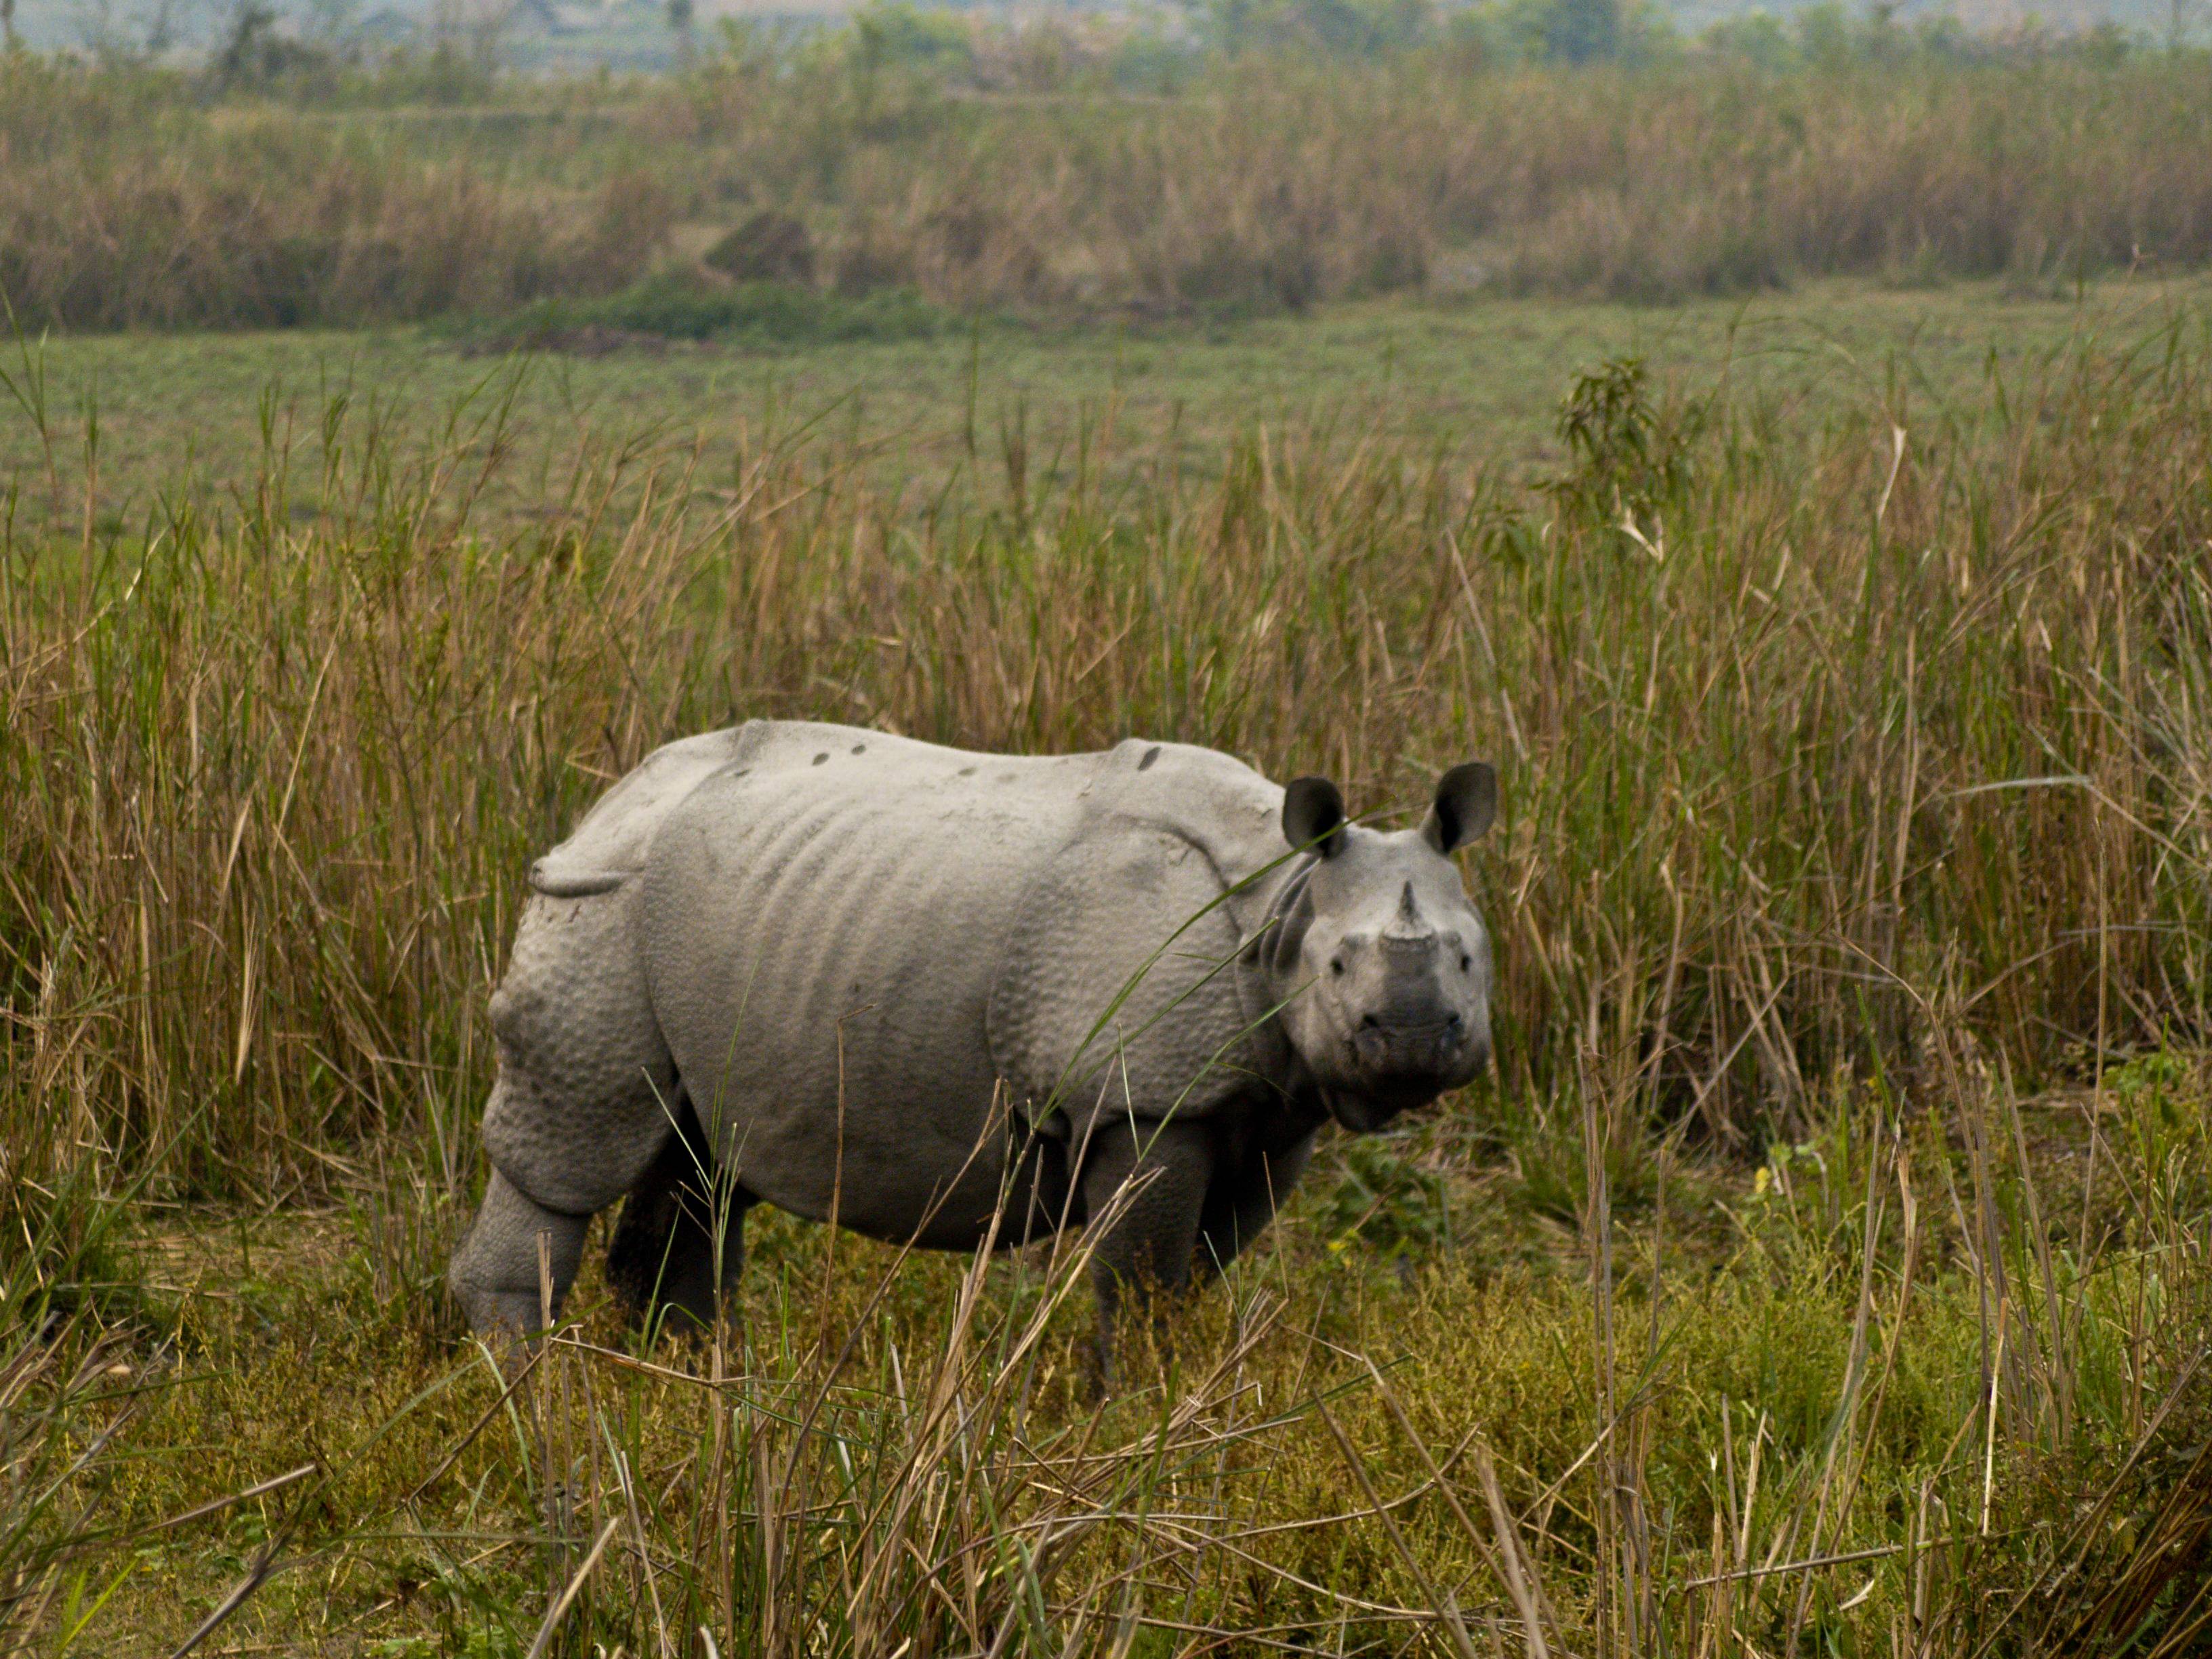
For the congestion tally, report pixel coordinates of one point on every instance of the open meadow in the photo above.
(1823, 1268)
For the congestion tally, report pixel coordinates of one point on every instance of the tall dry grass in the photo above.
(1267, 182)
(125, 202)
(1287, 181)
(1813, 743)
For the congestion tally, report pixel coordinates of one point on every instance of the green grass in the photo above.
(320, 1337)
(1850, 1117)
(1479, 379)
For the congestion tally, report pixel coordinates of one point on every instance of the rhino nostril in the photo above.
(1368, 1023)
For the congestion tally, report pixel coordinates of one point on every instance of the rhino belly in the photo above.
(820, 949)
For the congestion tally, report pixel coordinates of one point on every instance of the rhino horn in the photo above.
(1409, 930)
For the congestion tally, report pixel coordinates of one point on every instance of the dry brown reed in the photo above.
(1812, 746)
(1282, 182)
(123, 205)
(1268, 183)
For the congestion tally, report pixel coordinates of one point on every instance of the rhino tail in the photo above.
(574, 881)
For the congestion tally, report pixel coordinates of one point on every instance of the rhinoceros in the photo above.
(945, 998)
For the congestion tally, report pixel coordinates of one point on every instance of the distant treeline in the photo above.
(1287, 158)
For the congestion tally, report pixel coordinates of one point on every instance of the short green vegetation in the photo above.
(1475, 380)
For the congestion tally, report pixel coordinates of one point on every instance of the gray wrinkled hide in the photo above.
(851, 955)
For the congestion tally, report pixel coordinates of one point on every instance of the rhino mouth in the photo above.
(1391, 1068)
(1409, 1049)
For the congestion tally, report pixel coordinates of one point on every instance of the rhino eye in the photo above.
(1336, 966)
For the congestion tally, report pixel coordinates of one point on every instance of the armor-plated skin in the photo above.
(913, 989)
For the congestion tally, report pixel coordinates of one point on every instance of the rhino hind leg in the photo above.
(679, 1218)
(499, 1275)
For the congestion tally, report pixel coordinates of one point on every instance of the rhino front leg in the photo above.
(1243, 1199)
(680, 1243)
(495, 1272)
(1152, 1231)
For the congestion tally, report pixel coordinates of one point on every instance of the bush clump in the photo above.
(676, 306)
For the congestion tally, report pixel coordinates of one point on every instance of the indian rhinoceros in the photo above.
(942, 997)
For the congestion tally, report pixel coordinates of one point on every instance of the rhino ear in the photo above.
(1466, 801)
(1313, 815)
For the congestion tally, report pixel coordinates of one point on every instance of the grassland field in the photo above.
(1480, 379)
(1824, 1271)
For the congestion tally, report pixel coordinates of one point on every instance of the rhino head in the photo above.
(1380, 964)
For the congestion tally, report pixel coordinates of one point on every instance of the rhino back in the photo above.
(860, 946)
(822, 924)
